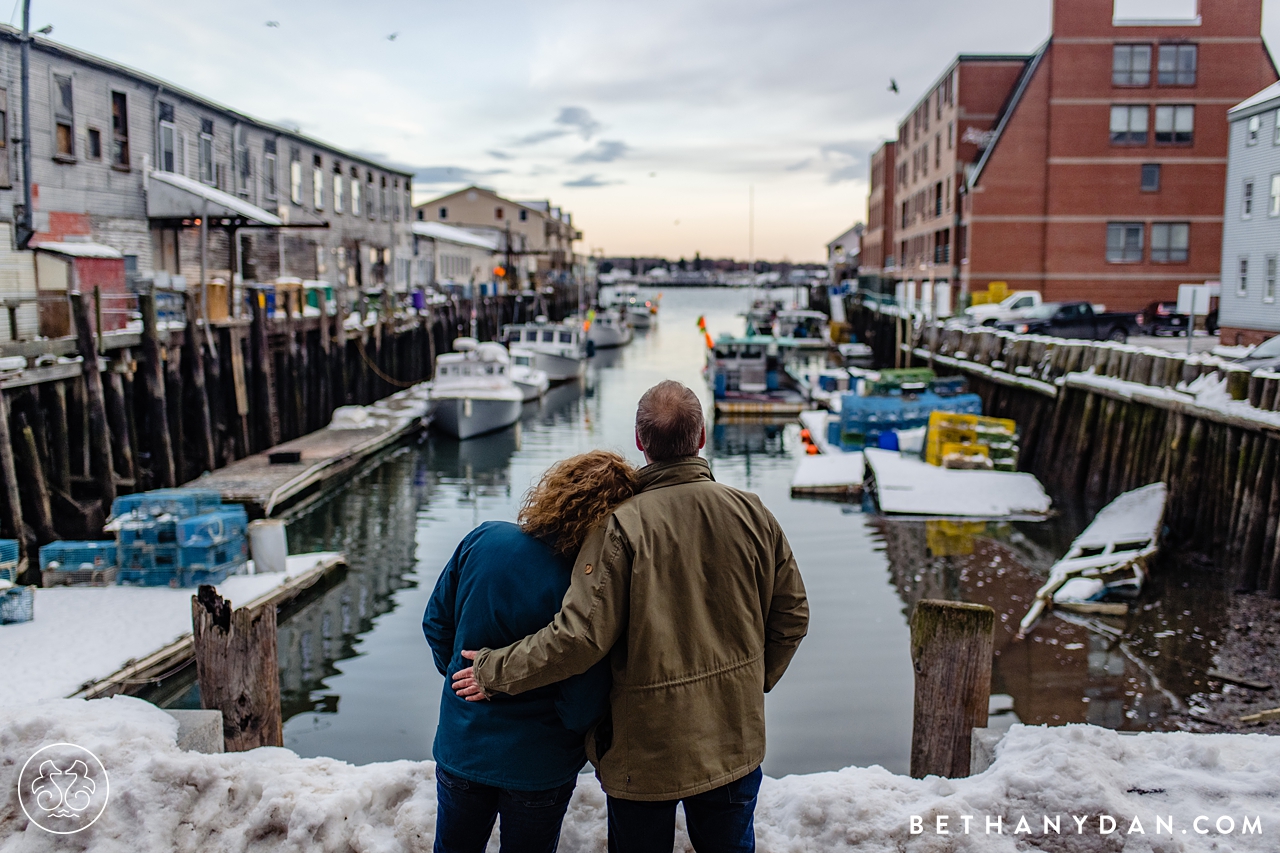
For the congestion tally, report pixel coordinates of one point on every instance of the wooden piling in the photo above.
(951, 650)
(9, 480)
(238, 669)
(161, 444)
(118, 418)
(193, 358)
(99, 437)
(54, 399)
(34, 483)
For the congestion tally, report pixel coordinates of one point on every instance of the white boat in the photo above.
(609, 328)
(531, 381)
(560, 349)
(1107, 560)
(472, 393)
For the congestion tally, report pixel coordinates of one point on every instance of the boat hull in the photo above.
(606, 337)
(466, 416)
(641, 318)
(560, 368)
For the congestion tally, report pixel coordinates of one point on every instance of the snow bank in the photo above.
(83, 634)
(164, 799)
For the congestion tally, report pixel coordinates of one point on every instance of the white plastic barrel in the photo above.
(268, 545)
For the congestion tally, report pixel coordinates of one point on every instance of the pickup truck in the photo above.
(1010, 308)
(1074, 320)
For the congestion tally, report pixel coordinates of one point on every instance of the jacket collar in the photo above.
(675, 472)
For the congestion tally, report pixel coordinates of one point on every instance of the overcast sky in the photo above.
(648, 120)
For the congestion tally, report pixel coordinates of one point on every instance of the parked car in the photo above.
(1161, 317)
(1265, 356)
(1074, 320)
(1011, 307)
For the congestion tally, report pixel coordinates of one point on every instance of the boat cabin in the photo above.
(748, 365)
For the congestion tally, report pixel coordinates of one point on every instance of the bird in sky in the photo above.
(893, 85)
(273, 24)
(392, 37)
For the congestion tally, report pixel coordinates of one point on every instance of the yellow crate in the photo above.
(958, 431)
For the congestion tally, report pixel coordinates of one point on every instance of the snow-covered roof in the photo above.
(1261, 102)
(450, 234)
(175, 196)
(79, 250)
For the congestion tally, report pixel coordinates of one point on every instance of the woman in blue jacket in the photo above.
(517, 756)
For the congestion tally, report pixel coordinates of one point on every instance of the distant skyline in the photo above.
(648, 121)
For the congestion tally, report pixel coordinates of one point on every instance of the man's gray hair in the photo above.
(669, 421)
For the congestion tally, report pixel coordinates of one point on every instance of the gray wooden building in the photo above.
(1248, 312)
(123, 158)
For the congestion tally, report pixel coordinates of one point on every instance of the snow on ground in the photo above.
(911, 486)
(82, 634)
(163, 799)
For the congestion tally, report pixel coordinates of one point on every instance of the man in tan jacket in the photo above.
(693, 593)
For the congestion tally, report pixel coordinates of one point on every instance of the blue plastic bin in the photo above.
(10, 553)
(17, 605)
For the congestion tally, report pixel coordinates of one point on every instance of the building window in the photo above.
(382, 199)
(408, 199)
(355, 191)
(1175, 125)
(63, 119)
(524, 216)
(1274, 210)
(295, 175)
(1242, 288)
(4, 138)
(1128, 125)
(1150, 177)
(1131, 65)
(1124, 242)
(444, 213)
(339, 197)
(317, 182)
(1246, 209)
(119, 130)
(244, 168)
(269, 168)
(1169, 241)
(1255, 127)
(497, 213)
(1269, 291)
(395, 200)
(951, 135)
(95, 144)
(206, 150)
(1177, 65)
(370, 197)
(1275, 140)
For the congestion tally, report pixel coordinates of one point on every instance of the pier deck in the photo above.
(324, 456)
(92, 642)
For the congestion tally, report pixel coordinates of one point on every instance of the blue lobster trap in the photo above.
(76, 563)
(17, 604)
(143, 564)
(177, 503)
(10, 553)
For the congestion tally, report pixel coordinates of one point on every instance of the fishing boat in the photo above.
(473, 393)
(749, 376)
(531, 381)
(609, 327)
(809, 329)
(560, 349)
(1108, 561)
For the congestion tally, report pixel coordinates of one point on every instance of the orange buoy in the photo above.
(811, 449)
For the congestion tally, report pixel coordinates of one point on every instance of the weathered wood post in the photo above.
(951, 649)
(237, 668)
(162, 468)
(194, 358)
(9, 479)
(99, 439)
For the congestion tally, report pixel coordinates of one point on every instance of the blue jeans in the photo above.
(465, 813)
(719, 821)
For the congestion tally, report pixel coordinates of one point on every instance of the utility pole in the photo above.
(26, 227)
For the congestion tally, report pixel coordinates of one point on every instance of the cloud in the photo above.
(540, 136)
(589, 182)
(801, 165)
(852, 148)
(579, 118)
(429, 175)
(605, 151)
(847, 173)
(500, 155)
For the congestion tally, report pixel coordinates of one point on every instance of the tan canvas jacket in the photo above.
(692, 590)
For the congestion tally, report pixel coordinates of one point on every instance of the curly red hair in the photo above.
(575, 495)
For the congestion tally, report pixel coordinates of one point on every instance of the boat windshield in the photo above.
(566, 337)
(548, 337)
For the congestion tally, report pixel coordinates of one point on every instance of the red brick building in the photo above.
(877, 263)
(1105, 175)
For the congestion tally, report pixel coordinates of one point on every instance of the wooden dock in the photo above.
(322, 458)
(178, 654)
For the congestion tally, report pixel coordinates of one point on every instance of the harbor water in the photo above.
(358, 679)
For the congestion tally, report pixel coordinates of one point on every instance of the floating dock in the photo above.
(829, 475)
(92, 642)
(290, 473)
(903, 485)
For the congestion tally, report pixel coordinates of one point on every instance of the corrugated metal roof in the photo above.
(187, 197)
(449, 234)
(80, 250)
